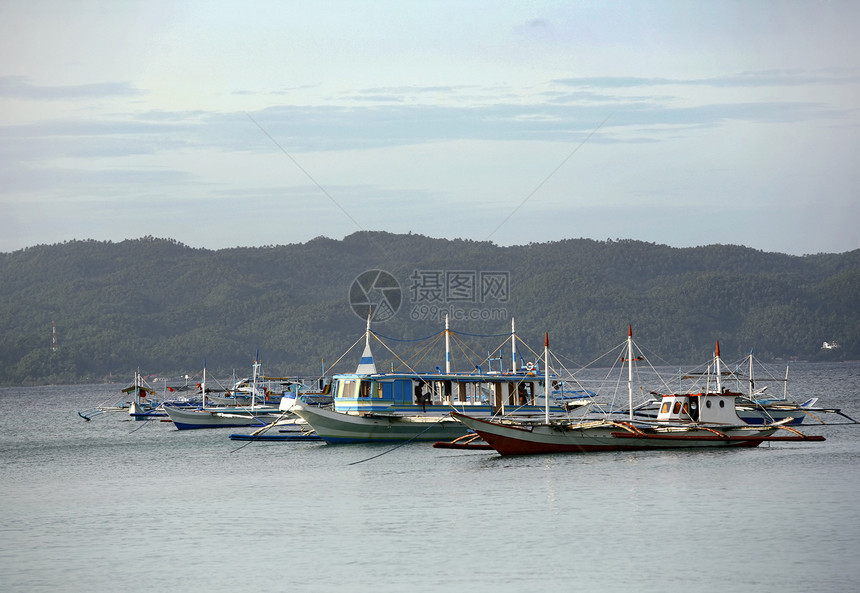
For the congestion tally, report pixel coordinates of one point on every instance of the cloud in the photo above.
(387, 122)
(764, 78)
(19, 87)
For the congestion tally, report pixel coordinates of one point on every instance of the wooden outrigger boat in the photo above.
(706, 419)
(139, 401)
(369, 406)
(185, 418)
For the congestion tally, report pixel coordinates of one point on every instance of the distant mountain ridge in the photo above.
(161, 306)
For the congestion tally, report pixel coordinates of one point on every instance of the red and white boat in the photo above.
(705, 419)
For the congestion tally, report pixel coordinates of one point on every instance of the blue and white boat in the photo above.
(373, 406)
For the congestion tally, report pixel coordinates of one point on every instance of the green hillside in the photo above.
(163, 307)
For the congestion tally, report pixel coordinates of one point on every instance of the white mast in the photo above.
(630, 370)
(719, 369)
(254, 380)
(366, 366)
(447, 348)
(752, 381)
(203, 385)
(513, 347)
(547, 389)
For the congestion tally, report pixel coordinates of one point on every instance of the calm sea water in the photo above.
(116, 505)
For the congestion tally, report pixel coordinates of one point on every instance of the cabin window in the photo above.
(364, 389)
(722, 403)
(707, 403)
(665, 409)
(498, 395)
(685, 410)
(677, 408)
(347, 389)
(435, 389)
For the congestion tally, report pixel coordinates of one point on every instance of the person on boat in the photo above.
(421, 396)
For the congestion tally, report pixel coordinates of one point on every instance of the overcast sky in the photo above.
(222, 123)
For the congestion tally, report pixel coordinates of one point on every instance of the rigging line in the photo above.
(303, 170)
(315, 182)
(400, 444)
(547, 178)
(405, 363)
(459, 333)
(261, 431)
(407, 340)
(145, 422)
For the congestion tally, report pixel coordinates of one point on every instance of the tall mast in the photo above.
(630, 370)
(718, 369)
(447, 347)
(203, 385)
(752, 381)
(366, 366)
(513, 347)
(547, 388)
(254, 380)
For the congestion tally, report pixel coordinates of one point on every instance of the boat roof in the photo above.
(461, 377)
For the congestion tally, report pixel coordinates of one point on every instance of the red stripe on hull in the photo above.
(508, 446)
(514, 446)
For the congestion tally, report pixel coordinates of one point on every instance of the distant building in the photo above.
(830, 345)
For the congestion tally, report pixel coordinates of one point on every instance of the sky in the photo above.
(222, 123)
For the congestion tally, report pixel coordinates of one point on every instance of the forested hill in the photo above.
(162, 307)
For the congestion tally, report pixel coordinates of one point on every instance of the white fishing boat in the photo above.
(370, 406)
(139, 401)
(752, 405)
(210, 416)
(225, 417)
(685, 420)
(265, 390)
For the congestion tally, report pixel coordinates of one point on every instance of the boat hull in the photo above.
(520, 439)
(188, 419)
(338, 427)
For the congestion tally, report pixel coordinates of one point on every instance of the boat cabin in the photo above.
(408, 392)
(718, 408)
